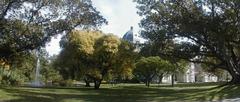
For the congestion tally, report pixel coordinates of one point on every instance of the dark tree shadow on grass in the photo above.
(123, 94)
(86, 95)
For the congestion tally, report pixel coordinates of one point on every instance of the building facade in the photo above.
(195, 73)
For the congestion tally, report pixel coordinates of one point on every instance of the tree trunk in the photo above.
(235, 78)
(232, 64)
(87, 83)
(97, 83)
(234, 72)
(87, 80)
(172, 80)
(147, 83)
(160, 77)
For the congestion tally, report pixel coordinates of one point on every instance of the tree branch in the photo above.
(4, 13)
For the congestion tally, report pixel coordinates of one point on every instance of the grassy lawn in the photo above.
(121, 93)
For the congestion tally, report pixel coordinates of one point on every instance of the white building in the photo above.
(194, 73)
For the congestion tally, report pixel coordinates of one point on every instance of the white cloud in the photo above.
(120, 14)
(53, 47)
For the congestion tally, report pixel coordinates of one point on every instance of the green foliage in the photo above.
(24, 64)
(78, 49)
(125, 63)
(11, 77)
(222, 75)
(179, 66)
(105, 54)
(209, 29)
(49, 73)
(148, 68)
(68, 83)
(21, 69)
(26, 25)
(94, 55)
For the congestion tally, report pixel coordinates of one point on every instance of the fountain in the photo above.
(37, 82)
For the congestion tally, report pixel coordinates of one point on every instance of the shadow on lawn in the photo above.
(123, 94)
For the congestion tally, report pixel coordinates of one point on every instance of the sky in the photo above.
(120, 14)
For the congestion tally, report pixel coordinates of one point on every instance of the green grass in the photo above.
(122, 93)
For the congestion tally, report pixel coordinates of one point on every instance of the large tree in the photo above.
(209, 30)
(75, 57)
(95, 55)
(29, 24)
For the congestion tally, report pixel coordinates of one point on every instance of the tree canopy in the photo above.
(29, 24)
(202, 31)
(95, 55)
(148, 68)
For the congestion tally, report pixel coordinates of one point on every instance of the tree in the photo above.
(177, 66)
(222, 75)
(104, 57)
(148, 68)
(96, 55)
(67, 63)
(77, 48)
(209, 29)
(48, 73)
(23, 68)
(128, 56)
(160, 48)
(24, 64)
(28, 24)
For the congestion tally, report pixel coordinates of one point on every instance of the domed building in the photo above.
(133, 38)
(128, 36)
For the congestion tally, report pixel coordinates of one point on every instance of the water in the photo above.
(37, 82)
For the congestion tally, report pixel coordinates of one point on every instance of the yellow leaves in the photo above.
(127, 72)
(4, 64)
(89, 42)
(84, 40)
(100, 54)
(94, 72)
(7, 67)
(108, 43)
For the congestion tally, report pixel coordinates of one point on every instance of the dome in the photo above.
(129, 35)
